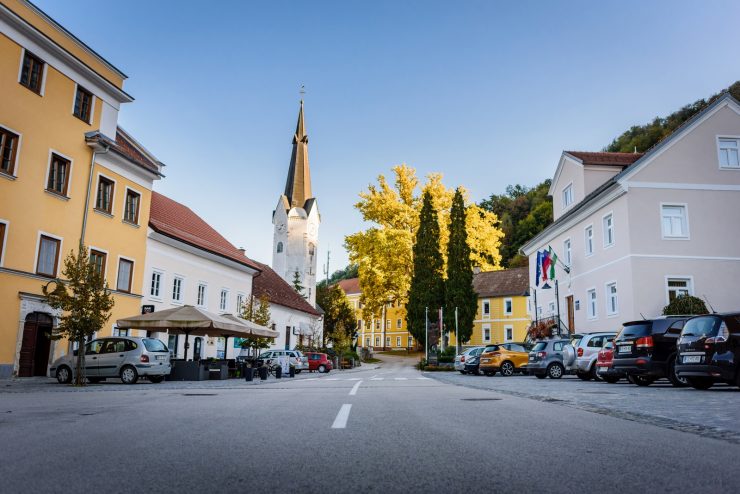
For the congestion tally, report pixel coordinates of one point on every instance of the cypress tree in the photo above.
(427, 283)
(459, 286)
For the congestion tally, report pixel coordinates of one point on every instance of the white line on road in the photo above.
(354, 389)
(377, 378)
(400, 378)
(332, 379)
(341, 421)
(354, 379)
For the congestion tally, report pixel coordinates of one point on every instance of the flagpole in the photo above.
(457, 335)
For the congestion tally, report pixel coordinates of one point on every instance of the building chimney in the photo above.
(242, 250)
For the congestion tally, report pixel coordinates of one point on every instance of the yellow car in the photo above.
(505, 357)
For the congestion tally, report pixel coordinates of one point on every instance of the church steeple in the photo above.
(298, 185)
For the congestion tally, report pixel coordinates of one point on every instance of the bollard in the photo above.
(291, 373)
(279, 372)
(248, 374)
(263, 373)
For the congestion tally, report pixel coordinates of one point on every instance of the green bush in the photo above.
(685, 306)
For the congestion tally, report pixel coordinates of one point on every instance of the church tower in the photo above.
(296, 220)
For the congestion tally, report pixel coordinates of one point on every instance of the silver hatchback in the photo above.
(127, 358)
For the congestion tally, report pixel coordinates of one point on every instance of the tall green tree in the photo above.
(339, 318)
(427, 280)
(297, 285)
(257, 311)
(459, 293)
(85, 302)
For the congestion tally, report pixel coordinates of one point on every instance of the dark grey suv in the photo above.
(546, 359)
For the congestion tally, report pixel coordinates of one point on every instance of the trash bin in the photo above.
(248, 373)
(291, 372)
(278, 372)
(263, 373)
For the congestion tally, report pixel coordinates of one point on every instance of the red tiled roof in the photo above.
(613, 159)
(176, 220)
(278, 291)
(126, 147)
(350, 286)
(502, 283)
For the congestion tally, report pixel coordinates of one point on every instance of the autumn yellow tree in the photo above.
(383, 252)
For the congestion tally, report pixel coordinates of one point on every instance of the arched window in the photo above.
(279, 247)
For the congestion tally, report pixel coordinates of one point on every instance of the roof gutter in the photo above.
(95, 153)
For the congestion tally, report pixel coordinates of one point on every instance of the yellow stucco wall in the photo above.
(46, 123)
(373, 327)
(498, 321)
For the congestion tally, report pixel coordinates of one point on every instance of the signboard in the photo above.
(433, 358)
(147, 309)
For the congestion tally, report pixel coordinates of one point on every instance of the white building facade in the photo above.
(635, 230)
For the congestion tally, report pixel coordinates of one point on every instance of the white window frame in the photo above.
(551, 308)
(567, 192)
(4, 241)
(223, 301)
(685, 223)
(486, 327)
(68, 193)
(592, 304)
(157, 297)
(681, 277)
(588, 240)
(112, 199)
(610, 215)
(568, 251)
(38, 246)
(508, 327)
(241, 299)
(510, 301)
(398, 341)
(399, 323)
(387, 341)
(204, 303)
(138, 212)
(17, 153)
(608, 297)
(182, 289)
(719, 151)
(92, 103)
(486, 315)
(133, 268)
(43, 75)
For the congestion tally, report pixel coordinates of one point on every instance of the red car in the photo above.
(604, 364)
(319, 362)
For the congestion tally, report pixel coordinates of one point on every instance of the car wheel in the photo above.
(507, 369)
(642, 380)
(700, 382)
(155, 379)
(594, 374)
(584, 376)
(64, 375)
(462, 372)
(540, 376)
(129, 375)
(678, 382)
(555, 371)
(322, 369)
(610, 379)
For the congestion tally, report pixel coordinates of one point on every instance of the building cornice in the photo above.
(199, 252)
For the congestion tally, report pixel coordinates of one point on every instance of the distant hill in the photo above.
(643, 137)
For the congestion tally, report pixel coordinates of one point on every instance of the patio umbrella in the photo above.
(253, 328)
(188, 320)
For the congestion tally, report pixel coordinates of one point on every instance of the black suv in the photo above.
(646, 350)
(709, 350)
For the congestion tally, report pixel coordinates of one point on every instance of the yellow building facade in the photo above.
(503, 307)
(67, 172)
(384, 332)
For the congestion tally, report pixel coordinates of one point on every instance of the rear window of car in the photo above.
(491, 348)
(539, 346)
(154, 345)
(702, 326)
(558, 346)
(635, 330)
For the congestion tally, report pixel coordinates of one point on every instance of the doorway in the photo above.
(34, 357)
(197, 348)
(571, 314)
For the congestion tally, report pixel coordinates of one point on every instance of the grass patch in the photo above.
(371, 361)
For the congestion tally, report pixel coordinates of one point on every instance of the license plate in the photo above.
(625, 349)
(692, 359)
(162, 357)
(531, 357)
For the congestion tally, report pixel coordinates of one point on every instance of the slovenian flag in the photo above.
(545, 265)
(553, 257)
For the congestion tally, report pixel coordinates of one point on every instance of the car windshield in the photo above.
(635, 330)
(154, 345)
(609, 344)
(576, 341)
(702, 326)
(541, 345)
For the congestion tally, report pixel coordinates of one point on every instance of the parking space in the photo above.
(713, 413)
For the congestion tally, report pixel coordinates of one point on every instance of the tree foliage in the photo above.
(522, 212)
(350, 271)
(339, 317)
(383, 252)
(685, 305)
(256, 310)
(85, 302)
(427, 281)
(643, 137)
(298, 285)
(459, 293)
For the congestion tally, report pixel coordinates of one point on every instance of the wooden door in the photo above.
(35, 346)
(571, 314)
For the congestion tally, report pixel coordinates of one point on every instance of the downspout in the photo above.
(89, 192)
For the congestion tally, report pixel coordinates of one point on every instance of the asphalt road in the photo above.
(386, 428)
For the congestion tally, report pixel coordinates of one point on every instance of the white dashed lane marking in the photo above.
(341, 421)
(354, 389)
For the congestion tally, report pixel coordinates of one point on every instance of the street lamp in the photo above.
(557, 300)
(426, 333)
(536, 315)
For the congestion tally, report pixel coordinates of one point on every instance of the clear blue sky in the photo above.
(488, 93)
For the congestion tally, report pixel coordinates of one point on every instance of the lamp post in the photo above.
(426, 334)
(457, 335)
(536, 315)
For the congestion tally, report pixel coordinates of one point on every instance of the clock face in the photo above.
(281, 227)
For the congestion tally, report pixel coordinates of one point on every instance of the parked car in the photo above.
(604, 361)
(319, 362)
(460, 359)
(587, 349)
(709, 350)
(570, 354)
(646, 350)
(507, 358)
(472, 362)
(127, 358)
(546, 359)
(296, 358)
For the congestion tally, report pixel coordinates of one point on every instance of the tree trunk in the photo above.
(80, 377)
